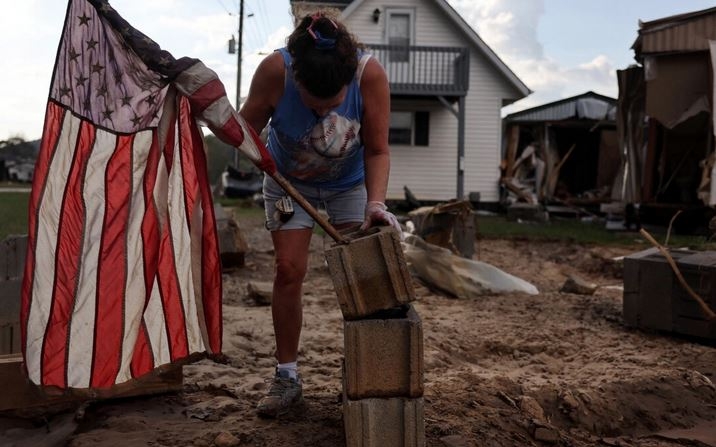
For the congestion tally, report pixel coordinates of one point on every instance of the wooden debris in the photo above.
(710, 315)
(259, 293)
(510, 184)
(232, 245)
(20, 394)
(450, 225)
(578, 285)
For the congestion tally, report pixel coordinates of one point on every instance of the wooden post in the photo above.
(647, 185)
(513, 137)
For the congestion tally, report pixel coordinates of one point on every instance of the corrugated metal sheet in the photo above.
(590, 105)
(680, 33)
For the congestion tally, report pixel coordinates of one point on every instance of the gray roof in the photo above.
(587, 106)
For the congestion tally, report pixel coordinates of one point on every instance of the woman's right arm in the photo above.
(265, 91)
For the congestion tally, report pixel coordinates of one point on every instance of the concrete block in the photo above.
(370, 273)
(384, 356)
(394, 422)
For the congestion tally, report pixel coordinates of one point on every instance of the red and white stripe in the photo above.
(209, 102)
(122, 272)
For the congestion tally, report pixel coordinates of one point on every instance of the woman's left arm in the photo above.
(374, 129)
(374, 133)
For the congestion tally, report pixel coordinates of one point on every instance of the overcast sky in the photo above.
(558, 48)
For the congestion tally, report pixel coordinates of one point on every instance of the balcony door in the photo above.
(399, 34)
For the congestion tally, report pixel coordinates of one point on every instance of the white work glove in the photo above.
(376, 213)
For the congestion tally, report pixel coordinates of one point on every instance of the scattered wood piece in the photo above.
(580, 286)
(507, 399)
(555, 172)
(509, 183)
(513, 137)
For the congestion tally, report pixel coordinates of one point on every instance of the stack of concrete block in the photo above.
(383, 341)
(12, 265)
(655, 299)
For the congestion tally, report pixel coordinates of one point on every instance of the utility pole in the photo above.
(238, 63)
(238, 48)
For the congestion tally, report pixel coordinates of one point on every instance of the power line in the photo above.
(264, 18)
(223, 6)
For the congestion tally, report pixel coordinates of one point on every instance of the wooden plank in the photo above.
(20, 394)
(4, 259)
(9, 338)
(513, 137)
(647, 183)
(10, 301)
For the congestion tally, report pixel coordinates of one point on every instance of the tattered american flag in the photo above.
(122, 272)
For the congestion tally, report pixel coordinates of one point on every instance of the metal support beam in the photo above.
(461, 149)
(460, 115)
(448, 106)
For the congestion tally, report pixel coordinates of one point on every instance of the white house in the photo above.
(447, 90)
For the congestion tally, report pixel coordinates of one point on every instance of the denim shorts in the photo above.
(341, 206)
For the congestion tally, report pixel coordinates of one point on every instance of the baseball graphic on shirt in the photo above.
(335, 136)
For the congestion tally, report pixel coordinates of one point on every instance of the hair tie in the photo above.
(322, 43)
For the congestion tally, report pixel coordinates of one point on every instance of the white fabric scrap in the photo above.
(461, 277)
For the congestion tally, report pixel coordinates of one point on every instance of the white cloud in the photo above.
(510, 27)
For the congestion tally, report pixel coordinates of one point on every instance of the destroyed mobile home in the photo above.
(565, 150)
(652, 149)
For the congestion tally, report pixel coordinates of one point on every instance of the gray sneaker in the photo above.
(283, 395)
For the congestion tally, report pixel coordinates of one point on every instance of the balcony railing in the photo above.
(424, 70)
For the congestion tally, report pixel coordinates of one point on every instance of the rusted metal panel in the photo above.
(680, 33)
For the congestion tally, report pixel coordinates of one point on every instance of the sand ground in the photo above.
(497, 367)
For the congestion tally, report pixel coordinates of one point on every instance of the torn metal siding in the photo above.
(665, 113)
(630, 130)
(678, 87)
(679, 33)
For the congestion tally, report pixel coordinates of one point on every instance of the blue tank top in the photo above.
(324, 152)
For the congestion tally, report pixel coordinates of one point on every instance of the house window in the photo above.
(399, 33)
(409, 128)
